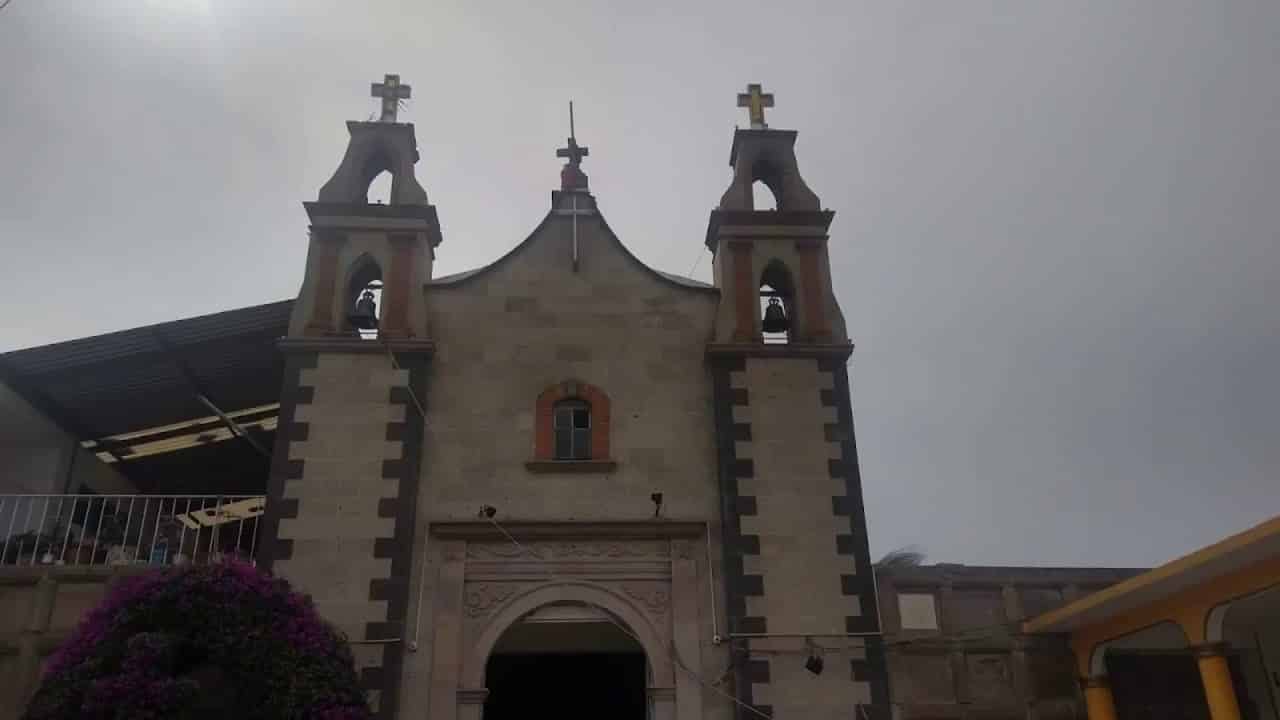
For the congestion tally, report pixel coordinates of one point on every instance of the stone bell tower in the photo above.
(342, 497)
(800, 588)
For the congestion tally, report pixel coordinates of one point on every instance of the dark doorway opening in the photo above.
(566, 686)
(1166, 685)
(1156, 685)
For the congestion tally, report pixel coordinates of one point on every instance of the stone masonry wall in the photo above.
(509, 332)
(39, 607)
(955, 647)
(342, 497)
(795, 572)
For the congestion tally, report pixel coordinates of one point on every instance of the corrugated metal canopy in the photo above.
(150, 376)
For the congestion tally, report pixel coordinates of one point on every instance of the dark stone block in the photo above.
(752, 585)
(372, 678)
(382, 589)
(283, 549)
(383, 630)
(756, 671)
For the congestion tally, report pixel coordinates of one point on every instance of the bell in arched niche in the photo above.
(775, 317)
(365, 314)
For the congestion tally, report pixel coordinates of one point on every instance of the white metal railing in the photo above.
(96, 530)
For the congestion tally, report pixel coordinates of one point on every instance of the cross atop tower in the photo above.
(573, 152)
(391, 92)
(571, 175)
(756, 101)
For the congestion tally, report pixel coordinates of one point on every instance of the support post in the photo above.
(1216, 676)
(1098, 700)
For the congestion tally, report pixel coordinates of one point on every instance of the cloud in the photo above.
(1055, 239)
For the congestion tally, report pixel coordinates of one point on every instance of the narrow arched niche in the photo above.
(379, 191)
(777, 288)
(378, 178)
(762, 196)
(766, 186)
(364, 283)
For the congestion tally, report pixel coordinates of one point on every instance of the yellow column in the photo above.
(1216, 676)
(1097, 698)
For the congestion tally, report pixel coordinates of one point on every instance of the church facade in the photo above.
(568, 484)
(567, 452)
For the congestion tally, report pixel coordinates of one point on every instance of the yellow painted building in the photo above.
(1221, 602)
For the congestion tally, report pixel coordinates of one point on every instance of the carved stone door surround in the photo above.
(643, 574)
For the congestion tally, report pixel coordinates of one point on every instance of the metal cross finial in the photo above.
(756, 101)
(574, 152)
(391, 92)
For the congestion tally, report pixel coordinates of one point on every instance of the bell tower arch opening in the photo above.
(380, 185)
(762, 196)
(379, 178)
(566, 660)
(364, 297)
(777, 304)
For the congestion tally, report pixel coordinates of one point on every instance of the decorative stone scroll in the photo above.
(640, 573)
(655, 598)
(577, 550)
(481, 598)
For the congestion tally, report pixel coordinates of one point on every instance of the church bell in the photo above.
(365, 315)
(775, 317)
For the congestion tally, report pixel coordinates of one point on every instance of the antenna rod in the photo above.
(571, 132)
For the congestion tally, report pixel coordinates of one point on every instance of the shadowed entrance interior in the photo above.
(564, 662)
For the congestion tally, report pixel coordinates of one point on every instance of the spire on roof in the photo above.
(571, 175)
(392, 94)
(755, 101)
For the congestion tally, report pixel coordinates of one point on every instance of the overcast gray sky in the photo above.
(1056, 235)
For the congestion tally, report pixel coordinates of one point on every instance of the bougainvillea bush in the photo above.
(219, 641)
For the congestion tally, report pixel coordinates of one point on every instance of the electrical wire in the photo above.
(422, 571)
(696, 261)
(408, 385)
(5, 4)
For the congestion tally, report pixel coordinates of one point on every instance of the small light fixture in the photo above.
(814, 663)
(657, 503)
(488, 511)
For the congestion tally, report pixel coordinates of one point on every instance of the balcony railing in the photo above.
(106, 530)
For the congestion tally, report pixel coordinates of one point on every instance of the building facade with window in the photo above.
(482, 478)
(565, 477)
(563, 484)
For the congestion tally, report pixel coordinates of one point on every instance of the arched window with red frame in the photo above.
(572, 428)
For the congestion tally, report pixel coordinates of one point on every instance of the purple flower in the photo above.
(171, 640)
